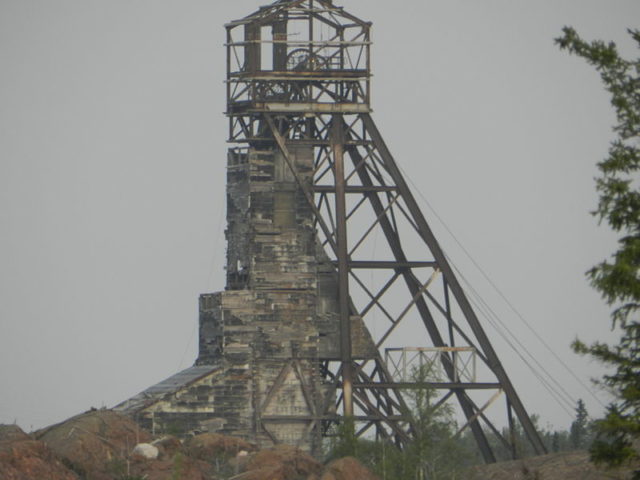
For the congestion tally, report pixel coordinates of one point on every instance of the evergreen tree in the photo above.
(578, 432)
(618, 279)
(555, 442)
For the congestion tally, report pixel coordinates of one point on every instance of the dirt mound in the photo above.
(347, 468)
(23, 458)
(282, 462)
(95, 444)
(209, 446)
(556, 466)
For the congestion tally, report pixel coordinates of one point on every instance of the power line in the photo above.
(562, 397)
(501, 294)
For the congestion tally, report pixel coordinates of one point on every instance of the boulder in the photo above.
(23, 458)
(146, 451)
(282, 462)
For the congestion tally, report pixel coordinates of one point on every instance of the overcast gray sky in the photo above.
(112, 168)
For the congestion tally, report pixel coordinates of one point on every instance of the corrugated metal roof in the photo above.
(168, 386)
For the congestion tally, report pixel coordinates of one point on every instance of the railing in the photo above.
(407, 363)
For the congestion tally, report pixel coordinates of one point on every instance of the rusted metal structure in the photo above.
(330, 260)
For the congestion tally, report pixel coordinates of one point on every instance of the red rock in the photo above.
(273, 472)
(347, 468)
(23, 458)
(326, 476)
(283, 462)
(179, 466)
(95, 444)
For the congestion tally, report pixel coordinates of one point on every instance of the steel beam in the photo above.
(434, 385)
(375, 264)
(337, 137)
(454, 285)
(414, 286)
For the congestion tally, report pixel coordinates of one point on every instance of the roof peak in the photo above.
(317, 8)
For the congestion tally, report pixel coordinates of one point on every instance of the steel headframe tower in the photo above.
(298, 76)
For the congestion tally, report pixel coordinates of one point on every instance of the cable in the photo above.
(513, 336)
(562, 397)
(500, 293)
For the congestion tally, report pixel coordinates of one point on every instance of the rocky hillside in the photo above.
(555, 466)
(103, 445)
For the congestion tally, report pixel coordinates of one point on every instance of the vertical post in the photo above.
(447, 303)
(340, 86)
(404, 376)
(368, 40)
(311, 55)
(473, 357)
(252, 48)
(229, 50)
(512, 431)
(337, 145)
(280, 43)
(456, 377)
